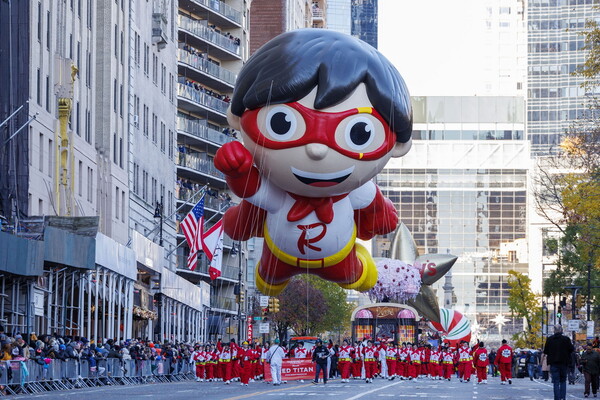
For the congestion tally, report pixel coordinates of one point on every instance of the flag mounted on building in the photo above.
(212, 245)
(193, 228)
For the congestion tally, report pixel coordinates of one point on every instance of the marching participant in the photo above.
(357, 363)
(391, 359)
(434, 364)
(211, 362)
(198, 357)
(504, 357)
(415, 363)
(370, 355)
(481, 363)
(465, 362)
(447, 363)
(225, 361)
(345, 354)
(245, 356)
(402, 363)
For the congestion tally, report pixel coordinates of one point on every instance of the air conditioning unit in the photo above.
(136, 121)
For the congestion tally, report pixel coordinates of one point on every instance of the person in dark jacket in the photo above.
(320, 355)
(590, 362)
(559, 348)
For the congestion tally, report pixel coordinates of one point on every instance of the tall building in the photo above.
(339, 16)
(90, 143)
(365, 17)
(269, 18)
(554, 96)
(213, 43)
(462, 189)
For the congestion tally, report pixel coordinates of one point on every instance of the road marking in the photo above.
(245, 396)
(552, 386)
(358, 396)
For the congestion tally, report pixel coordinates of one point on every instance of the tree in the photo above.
(338, 311)
(567, 186)
(302, 308)
(525, 304)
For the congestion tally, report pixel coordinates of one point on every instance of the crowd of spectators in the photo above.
(201, 89)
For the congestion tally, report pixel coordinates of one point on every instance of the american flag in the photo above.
(193, 228)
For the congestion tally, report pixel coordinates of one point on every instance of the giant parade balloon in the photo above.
(453, 326)
(320, 114)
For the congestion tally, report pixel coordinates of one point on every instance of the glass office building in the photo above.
(339, 16)
(364, 20)
(554, 96)
(462, 190)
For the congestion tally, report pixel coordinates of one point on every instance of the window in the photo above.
(50, 157)
(39, 22)
(136, 51)
(154, 68)
(41, 152)
(123, 206)
(122, 46)
(71, 46)
(170, 144)
(154, 128)
(121, 101)
(48, 23)
(146, 59)
(117, 205)
(162, 136)
(88, 70)
(90, 184)
(88, 127)
(115, 148)
(163, 78)
(171, 84)
(154, 191)
(144, 185)
(135, 178)
(30, 147)
(121, 152)
(48, 105)
(39, 87)
(115, 100)
(89, 14)
(77, 124)
(116, 41)
(41, 206)
(80, 178)
(145, 120)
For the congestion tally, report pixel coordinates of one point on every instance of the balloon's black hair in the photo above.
(288, 67)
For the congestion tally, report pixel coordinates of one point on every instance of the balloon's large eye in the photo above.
(359, 133)
(281, 123)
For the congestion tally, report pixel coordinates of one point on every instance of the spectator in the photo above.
(320, 356)
(492, 358)
(590, 362)
(532, 363)
(545, 368)
(559, 348)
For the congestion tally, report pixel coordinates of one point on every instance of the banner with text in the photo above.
(293, 369)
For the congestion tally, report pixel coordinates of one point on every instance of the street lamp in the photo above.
(158, 213)
(237, 250)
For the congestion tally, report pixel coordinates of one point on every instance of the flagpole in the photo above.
(183, 241)
(203, 188)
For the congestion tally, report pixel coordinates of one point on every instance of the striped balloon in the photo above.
(453, 326)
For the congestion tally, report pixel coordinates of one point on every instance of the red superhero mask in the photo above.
(360, 133)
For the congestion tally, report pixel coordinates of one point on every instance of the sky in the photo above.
(434, 44)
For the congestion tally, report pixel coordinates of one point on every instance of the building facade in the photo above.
(462, 190)
(364, 14)
(213, 40)
(554, 96)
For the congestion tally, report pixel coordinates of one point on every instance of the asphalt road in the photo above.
(380, 389)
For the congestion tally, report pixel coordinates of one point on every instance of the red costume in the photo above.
(345, 354)
(447, 364)
(370, 356)
(481, 364)
(465, 363)
(504, 357)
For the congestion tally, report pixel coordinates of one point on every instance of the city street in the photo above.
(379, 389)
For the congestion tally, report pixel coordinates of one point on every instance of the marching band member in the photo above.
(370, 355)
(481, 363)
(345, 356)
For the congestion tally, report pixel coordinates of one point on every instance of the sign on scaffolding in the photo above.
(573, 325)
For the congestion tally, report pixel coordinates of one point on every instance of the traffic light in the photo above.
(559, 312)
(242, 296)
(579, 301)
(273, 305)
(563, 301)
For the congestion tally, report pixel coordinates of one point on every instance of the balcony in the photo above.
(199, 35)
(228, 273)
(219, 13)
(190, 165)
(160, 27)
(200, 69)
(200, 102)
(318, 14)
(222, 302)
(191, 197)
(198, 129)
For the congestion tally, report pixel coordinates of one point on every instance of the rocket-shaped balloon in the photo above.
(431, 266)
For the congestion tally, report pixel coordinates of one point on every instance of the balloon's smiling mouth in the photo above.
(317, 179)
